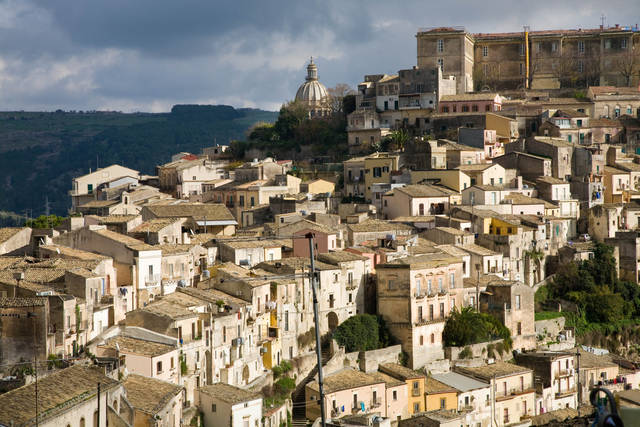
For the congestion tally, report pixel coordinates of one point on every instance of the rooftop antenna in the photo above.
(603, 19)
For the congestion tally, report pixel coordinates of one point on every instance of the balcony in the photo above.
(566, 393)
(152, 280)
(563, 373)
(415, 392)
(375, 403)
(513, 392)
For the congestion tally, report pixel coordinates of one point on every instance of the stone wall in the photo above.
(369, 360)
(550, 327)
(478, 351)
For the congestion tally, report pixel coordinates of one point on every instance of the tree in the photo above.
(362, 332)
(45, 221)
(337, 95)
(466, 326)
(398, 139)
(564, 68)
(291, 116)
(627, 65)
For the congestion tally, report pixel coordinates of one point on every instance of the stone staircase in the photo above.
(298, 418)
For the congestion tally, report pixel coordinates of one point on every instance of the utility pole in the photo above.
(35, 357)
(98, 420)
(578, 376)
(478, 288)
(310, 236)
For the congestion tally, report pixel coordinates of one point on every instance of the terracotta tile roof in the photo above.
(399, 371)
(8, 232)
(499, 369)
(433, 260)
(197, 211)
(345, 379)
(57, 392)
(605, 123)
(434, 386)
(388, 379)
(22, 302)
(377, 225)
(154, 225)
(149, 395)
(75, 253)
(229, 394)
(138, 346)
(100, 203)
(479, 96)
(425, 190)
(117, 219)
(128, 241)
(340, 256)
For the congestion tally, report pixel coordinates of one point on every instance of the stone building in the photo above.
(415, 295)
(536, 59)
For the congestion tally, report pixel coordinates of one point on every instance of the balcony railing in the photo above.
(152, 280)
(375, 403)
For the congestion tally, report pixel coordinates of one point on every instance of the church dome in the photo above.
(312, 92)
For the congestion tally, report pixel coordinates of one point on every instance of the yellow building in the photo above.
(377, 169)
(440, 396)
(415, 385)
(318, 186)
(503, 227)
(453, 179)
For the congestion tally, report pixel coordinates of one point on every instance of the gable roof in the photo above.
(197, 211)
(56, 393)
(149, 395)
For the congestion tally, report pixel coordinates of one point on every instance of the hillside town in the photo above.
(228, 292)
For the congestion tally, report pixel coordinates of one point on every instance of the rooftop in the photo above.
(208, 211)
(497, 369)
(8, 232)
(377, 225)
(433, 260)
(459, 381)
(433, 386)
(229, 394)
(345, 379)
(129, 242)
(56, 392)
(74, 253)
(479, 96)
(138, 346)
(149, 395)
(340, 256)
(22, 302)
(154, 225)
(117, 219)
(425, 190)
(398, 371)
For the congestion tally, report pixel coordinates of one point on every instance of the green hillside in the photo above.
(41, 152)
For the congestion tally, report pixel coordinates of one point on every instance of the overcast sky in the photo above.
(147, 55)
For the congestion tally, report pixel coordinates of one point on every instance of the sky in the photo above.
(147, 55)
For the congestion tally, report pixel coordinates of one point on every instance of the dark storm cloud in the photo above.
(149, 54)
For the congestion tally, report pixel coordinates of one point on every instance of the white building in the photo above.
(223, 405)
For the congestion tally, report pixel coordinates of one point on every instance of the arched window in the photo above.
(82, 423)
(616, 112)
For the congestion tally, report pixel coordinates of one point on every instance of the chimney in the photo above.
(519, 182)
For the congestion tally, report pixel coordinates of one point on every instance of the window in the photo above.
(159, 367)
(395, 395)
(440, 287)
(580, 67)
(286, 320)
(433, 338)
(172, 366)
(441, 64)
(629, 110)
(506, 416)
(485, 69)
(390, 285)
(421, 209)
(377, 172)
(485, 51)
(89, 188)
(441, 309)
(241, 201)
(213, 407)
(616, 111)
(465, 109)
(440, 45)
(580, 47)
(421, 340)
(452, 280)
(517, 302)
(623, 44)
(522, 49)
(519, 328)
(416, 407)
(522, 69)
(554, 46)
(443, 402)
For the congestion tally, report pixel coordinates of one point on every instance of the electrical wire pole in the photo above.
(317, 324)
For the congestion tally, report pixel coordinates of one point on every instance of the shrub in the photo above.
(467, 326)
(466, 353)
(490, 351)
(362, 332)
(284, 386)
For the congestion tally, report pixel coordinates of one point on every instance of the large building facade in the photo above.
(532, 59)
